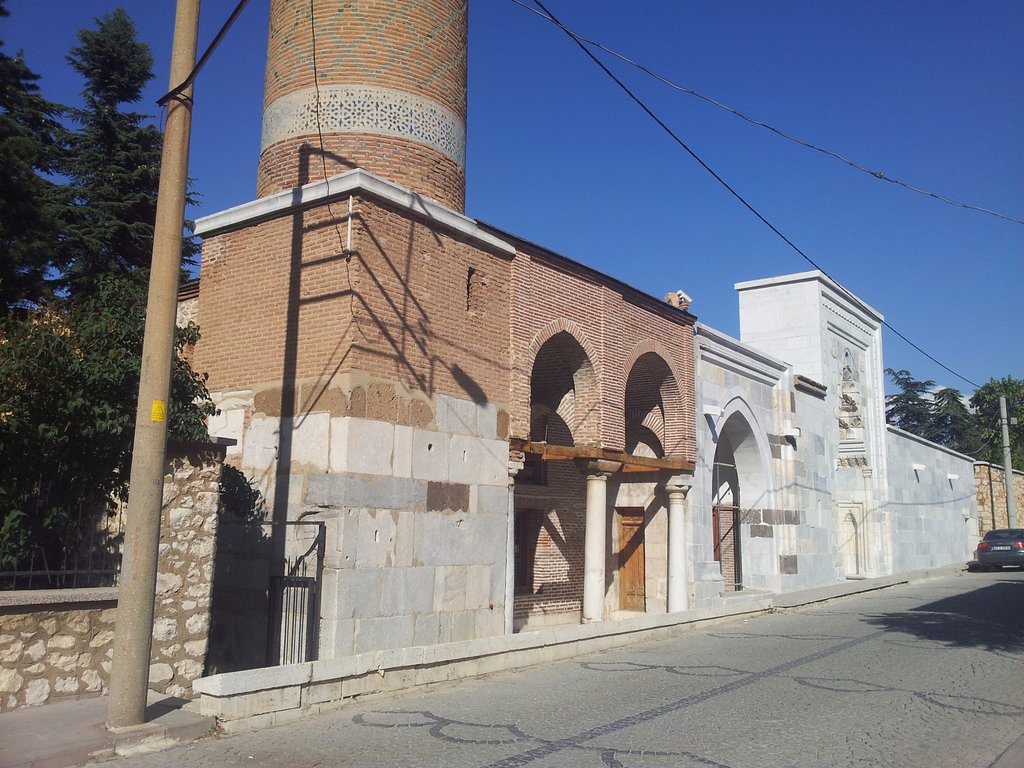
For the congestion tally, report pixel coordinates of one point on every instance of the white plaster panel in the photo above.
(259, 449)
(475, 460)
(430, 455)
(310, 440)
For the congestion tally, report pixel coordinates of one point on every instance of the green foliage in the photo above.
(69, 374)
(909, 409)
(942, 416)
(985, 403)
(29, 202)
(113, 160)
(952, 423)
(239, 498)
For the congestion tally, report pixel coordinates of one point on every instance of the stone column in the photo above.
(678, 590)
(515, 463)
(596, 543)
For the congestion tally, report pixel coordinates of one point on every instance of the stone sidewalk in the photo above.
(72, 732)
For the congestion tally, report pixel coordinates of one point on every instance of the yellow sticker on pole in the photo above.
(159, 411)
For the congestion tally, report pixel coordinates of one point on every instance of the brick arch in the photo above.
(670, 424)
(541, 337)
(581, 412)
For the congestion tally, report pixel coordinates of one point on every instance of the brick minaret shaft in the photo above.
(392, 94)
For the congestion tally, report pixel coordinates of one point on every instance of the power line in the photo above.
(162, 101)
(639, 102)
(880, 175)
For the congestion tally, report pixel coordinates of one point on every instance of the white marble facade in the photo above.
(791, 420)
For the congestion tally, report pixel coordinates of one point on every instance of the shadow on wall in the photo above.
(988, 617)
(239, 607)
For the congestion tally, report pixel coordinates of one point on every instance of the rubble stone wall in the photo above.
(58, 644)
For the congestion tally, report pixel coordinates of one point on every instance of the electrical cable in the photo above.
(880, 175)
(732, 191)
(346, 250)
(177, 90)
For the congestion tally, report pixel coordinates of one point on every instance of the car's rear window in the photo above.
(1005, 533)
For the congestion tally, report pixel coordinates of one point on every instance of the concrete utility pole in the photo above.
(129, 676)
(1011, 501)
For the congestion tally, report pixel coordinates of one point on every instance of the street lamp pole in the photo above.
(133, 637)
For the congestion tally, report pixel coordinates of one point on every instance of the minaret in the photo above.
(384, 83)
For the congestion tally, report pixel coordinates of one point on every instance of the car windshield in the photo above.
(1005, 533)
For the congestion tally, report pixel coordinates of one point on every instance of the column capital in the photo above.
(679, 484)
(598, 467)
(515, 463)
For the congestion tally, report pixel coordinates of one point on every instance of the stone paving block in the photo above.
(401, 462)
(430, 453)
(449, 588)
(456, 416)
(363, 446)
(259, 449)
(376, 539)
(325, 490)
(451, 497)
(259, 703)
(381, 492)
(492, 500)
(427, 629)
(407, 591)
(310, 440)
(478, 586)
(478, 461)
(376, 634)
(358, 592)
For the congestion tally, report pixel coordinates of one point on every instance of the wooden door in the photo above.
(631, 560)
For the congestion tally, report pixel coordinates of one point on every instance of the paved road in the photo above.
(929, 674)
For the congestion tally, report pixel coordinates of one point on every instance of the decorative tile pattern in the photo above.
(362, 109)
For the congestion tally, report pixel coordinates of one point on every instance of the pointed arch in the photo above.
(654, 406)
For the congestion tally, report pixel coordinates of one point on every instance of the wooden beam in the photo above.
(630, 463)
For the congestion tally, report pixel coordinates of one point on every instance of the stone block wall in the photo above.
(990, 487)
(932, 503)
(53, 648)
(57, 644)
(184, 582)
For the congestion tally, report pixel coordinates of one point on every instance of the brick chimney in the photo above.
(392, 94)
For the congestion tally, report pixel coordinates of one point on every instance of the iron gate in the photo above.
(294, 626)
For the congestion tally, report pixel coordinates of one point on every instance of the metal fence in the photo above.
(93, 561)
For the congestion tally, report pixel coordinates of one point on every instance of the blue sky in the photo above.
(931, 93)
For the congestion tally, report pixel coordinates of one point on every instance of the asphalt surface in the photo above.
(927, 674)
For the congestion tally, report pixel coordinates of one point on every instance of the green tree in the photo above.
(114, 158)
(909, 409)
(985, 403)
(952, 423)
(29, 147)
(69, 375)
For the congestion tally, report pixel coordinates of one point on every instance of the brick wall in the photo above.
(417, 50)
(616, 327)
(558, 563)
(413, 305)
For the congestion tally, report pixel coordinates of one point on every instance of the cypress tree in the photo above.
(29, 202)
(114, 158)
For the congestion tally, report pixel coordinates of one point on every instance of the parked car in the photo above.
(1001, 546)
